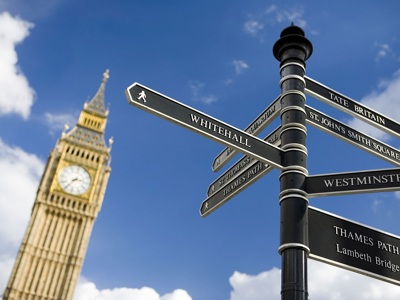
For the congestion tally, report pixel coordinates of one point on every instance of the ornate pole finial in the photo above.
(106, 75)
(292, 35)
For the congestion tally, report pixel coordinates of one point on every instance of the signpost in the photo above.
(305, 231)
(183, 115)
(353, 246)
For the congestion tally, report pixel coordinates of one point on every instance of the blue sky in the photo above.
(149, 241)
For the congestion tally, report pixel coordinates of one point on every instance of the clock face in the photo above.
(74, 180)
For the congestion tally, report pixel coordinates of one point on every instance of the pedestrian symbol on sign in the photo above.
(142, 95)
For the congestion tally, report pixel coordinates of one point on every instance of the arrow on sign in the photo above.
(185, 116)
(353, 182)
(259, 123)
(348, 134)
(356, 109)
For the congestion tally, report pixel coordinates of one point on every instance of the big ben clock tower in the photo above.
(68, 200)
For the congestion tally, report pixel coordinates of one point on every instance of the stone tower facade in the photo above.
(68, 200)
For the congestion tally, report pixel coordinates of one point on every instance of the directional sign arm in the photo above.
(353, 246)
(234, 187)
(185, 116)
(350, 135)
(354, 108)
(241, 166)
(259, 123)
(353, 182)
(241, 175)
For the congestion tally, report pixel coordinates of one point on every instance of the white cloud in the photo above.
(384, 100)
(177, 295)
(208, 99)
(291, 15)
(265, 285)
(198, 95)
(386, 51)
(6, 264)
(22, 170)
(195, 87)
(57, 122)
(240, 66)
(253, 27)
(256, 24)
(33, 8)
(376, 204)
(228, 81)
(16, 95)
(331, 283)
(294, 14)
(19, 169)
(87, 291)
(271, 9)
(325, 283)
(383, 50)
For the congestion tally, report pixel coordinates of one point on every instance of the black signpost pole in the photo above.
(292, 50)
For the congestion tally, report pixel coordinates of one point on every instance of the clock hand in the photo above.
(72, 181)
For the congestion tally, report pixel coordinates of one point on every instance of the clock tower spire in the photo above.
(68, 200)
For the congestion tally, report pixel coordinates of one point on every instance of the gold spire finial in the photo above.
(106, 75)
(64, 132)
(110, 142)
